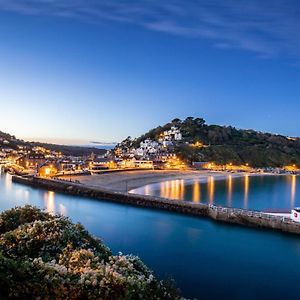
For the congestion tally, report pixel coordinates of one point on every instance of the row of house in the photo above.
(153, 153)
(39, 160)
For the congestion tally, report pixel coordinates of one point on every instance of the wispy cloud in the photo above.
(269, 28)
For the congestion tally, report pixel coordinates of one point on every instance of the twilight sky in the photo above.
(83, 70)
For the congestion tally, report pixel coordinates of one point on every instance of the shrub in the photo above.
(48, 257)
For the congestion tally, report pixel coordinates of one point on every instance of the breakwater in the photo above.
(223, 214)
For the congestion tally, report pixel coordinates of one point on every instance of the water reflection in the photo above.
(229, 190)
(52, 207)
(181, 189)
(246, 190)
(293, 190)
(8, 182)
(22, 195)
(179, 240)
(147, 190)
(173, 189)
(196, 192)
(49, 202)
(62, 209)
(211, 189)
(241, 190)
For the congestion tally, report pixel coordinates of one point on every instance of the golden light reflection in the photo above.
(173, 193)
(181, 189)
(293, 189)
(173, 189)
(177, 188)
(167, 190)
(162, 189)
(229, 190)
(8, 182)
(62, 210)
(246, 190)
(147, 190)
(49, 202)
(196, 192)
(211, 189)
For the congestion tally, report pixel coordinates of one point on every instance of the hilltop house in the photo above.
(173, 134)
(147, 148)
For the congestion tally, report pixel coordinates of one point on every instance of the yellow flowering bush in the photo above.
(48, 257)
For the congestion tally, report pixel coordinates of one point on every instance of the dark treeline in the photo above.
(227, 144)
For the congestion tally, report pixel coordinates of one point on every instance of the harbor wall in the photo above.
(221, 214)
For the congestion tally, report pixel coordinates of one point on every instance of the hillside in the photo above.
(227, 144)
(10, 141)
(71, 150)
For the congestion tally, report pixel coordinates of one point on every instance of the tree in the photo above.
(199, 122)
(176, 121)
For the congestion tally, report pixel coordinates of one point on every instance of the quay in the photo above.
(222, 214)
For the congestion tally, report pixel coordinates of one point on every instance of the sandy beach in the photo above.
(128, 180)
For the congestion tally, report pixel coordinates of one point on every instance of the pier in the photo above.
(222, 214)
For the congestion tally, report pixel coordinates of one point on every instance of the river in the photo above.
(208, 260)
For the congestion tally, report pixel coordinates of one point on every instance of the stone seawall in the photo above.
(222, 214)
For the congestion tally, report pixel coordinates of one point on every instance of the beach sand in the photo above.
(128, 180)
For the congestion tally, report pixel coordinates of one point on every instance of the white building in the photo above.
(172, 134)
(147, 147)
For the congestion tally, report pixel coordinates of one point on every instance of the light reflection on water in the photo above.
(293, 189)
(173, 189)
(196, 192)
(8, 182)
(208, 260)
(229, 189)
(246, 191)
(51, 206)
(49, 202)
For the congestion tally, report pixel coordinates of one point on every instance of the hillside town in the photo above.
(41, 161)
(158, 154)
(148, 154)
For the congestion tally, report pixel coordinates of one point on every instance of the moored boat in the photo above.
(295, 214)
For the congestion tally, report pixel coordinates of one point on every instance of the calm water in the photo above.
(208, 260)
(249, 192)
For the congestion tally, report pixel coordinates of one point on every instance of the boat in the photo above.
(295, 214)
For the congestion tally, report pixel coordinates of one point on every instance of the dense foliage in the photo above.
(48, 257)
(224, 144)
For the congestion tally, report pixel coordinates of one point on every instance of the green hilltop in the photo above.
(227, 144)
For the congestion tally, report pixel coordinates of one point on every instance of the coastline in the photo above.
(128, 181)
(236, 216)
(217, 176)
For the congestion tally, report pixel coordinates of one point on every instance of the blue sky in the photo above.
(79, 71)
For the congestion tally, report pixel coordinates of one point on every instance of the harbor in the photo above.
(207, 247)
(236, 216)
